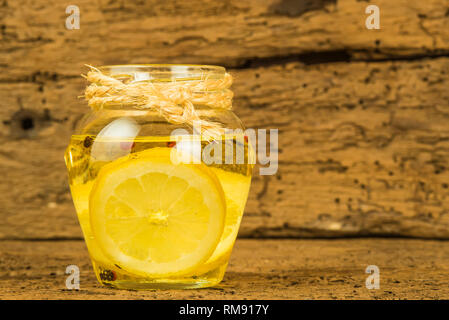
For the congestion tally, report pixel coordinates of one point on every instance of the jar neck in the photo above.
(160, 86)
(163, 73)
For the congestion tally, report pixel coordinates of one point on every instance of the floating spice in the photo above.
(108, 275)
(88, 142)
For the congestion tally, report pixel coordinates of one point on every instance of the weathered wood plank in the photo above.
(281, 269)
(33, 37)
(363, 150)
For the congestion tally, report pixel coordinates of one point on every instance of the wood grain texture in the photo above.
(363, 150)
(363, 137)
(284, 269)
(232, 33)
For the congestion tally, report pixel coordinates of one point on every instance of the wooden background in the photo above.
(363, 114)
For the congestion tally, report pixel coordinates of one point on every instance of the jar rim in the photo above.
(163, 72)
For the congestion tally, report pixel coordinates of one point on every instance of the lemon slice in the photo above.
(156, 218)
(236, 188)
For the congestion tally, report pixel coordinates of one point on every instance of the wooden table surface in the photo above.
(259, 269)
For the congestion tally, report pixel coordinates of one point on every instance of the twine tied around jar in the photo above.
(173, 100)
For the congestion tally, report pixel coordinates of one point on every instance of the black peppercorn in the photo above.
(108, 275)
(88, 142)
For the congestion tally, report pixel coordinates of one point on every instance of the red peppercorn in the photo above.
(171, 144)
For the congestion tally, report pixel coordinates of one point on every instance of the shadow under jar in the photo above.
(159, 203)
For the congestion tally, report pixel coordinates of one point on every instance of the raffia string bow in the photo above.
(173, 100)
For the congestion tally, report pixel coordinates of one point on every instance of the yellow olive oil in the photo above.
(95, 163)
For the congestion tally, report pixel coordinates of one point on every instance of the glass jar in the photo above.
(151, 218)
